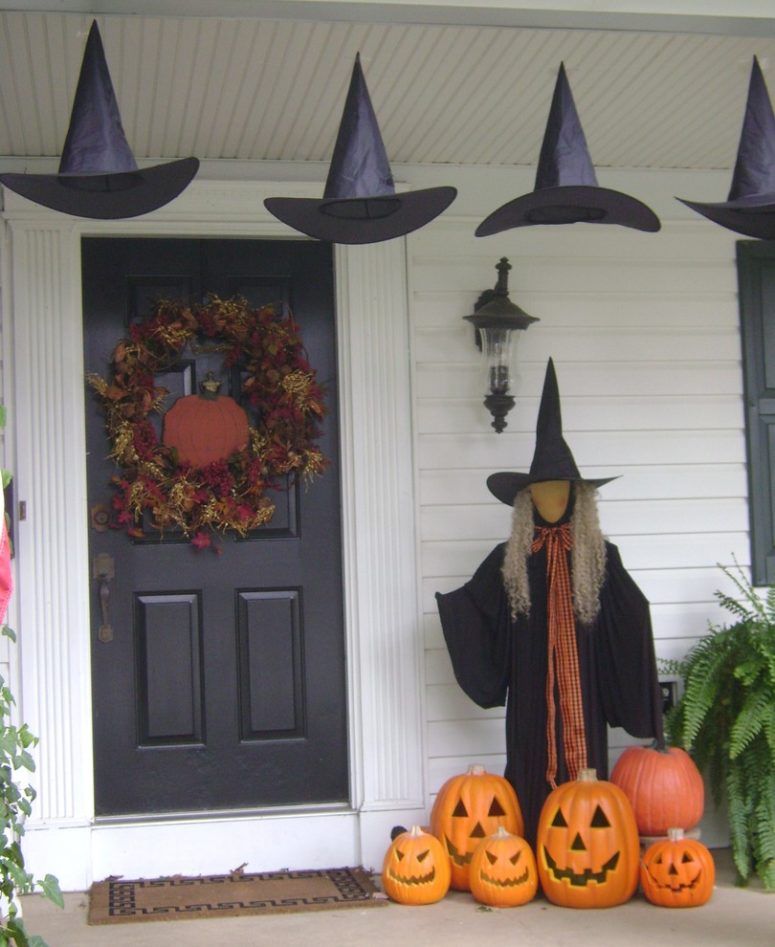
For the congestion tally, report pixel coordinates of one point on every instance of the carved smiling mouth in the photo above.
(585, 877)
(413, 879)
(459, 858)
(673, 885)
(505, 882)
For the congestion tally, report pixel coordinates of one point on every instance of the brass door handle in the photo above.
(104, 569)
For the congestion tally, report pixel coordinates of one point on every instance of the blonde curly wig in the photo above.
(588, 569)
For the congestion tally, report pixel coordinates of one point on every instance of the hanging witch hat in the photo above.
(566, 189)
(552, 458)
(98, 175)
(750, 207)
(360, 204)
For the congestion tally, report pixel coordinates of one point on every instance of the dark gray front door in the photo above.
(224, 683)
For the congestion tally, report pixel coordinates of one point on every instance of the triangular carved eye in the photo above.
(496, 808)
(658, 860)
(599, 820)
(423, 855)
(460, 810)
(515, 858)
(399, 854)
(559, 820)
(491, 858)
(686, 858)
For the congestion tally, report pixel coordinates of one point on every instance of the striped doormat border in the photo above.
(117, 901)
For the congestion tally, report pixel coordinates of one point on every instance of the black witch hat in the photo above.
(552, 458)
(750, 207)
(566, 189)
(98, 175)
(360, 204)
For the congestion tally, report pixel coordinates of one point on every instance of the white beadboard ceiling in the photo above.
(263, 88)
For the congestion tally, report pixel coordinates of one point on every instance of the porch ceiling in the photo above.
(451, 84)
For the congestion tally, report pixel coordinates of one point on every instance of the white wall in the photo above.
(643, 329)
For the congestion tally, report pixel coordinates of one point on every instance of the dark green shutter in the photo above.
(756, 276)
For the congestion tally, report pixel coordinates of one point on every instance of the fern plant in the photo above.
(726, 719)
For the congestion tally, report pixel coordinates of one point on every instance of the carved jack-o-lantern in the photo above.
(587, 844)
(416, 868)
(503, 871)
(468, 808)
(207, 427)
(677, 872)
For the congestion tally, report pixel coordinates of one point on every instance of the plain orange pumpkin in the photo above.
(587, 846)
(503, 871)
(416, 868)
(664, 787)
(205, 428)
(468, 808)
(677, 872)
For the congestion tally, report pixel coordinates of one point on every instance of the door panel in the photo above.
(224, 684)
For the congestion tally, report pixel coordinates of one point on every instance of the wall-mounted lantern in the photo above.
(495, 317)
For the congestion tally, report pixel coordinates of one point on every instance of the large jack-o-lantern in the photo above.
(587, 844)
(468, 808)
(416, 868)
(503, 871)
(677, 872)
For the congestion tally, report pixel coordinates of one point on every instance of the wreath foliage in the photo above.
(156, 491)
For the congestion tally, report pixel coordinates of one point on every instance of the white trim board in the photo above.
(384, 642)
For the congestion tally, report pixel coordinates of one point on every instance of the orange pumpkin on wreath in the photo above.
(207, 427)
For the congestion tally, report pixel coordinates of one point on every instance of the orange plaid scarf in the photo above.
(562, 655)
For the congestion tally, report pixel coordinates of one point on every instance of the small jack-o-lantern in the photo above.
(587, 844)
(468, 808)
(503, 871)
(664, 787)
(416, 868)
(677, 872)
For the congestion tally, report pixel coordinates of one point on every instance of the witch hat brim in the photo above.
(750, 206)
(570, 204)
(566, 189)
(552, 458)
(360, 204)
(106, 196)
(98, 176)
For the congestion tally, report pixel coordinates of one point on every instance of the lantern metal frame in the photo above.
(494, 310)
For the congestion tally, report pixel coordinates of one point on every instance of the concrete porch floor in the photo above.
(734, 917)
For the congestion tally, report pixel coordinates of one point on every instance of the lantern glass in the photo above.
(498, 351)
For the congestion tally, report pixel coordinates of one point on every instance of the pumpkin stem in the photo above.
(587, 776)
(416, 831)
(675, 835)
(210, 387)
(501, 833)
(475, 769)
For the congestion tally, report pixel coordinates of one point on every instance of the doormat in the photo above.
(115, 901)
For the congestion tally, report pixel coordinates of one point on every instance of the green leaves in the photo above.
(726, 717)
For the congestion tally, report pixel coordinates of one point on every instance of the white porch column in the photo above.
(51, 541)
(379, 524)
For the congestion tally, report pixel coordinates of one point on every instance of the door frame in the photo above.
(45, 447)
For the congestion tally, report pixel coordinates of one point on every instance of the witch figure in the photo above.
(553, 626)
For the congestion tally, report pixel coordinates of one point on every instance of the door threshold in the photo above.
(226, 815)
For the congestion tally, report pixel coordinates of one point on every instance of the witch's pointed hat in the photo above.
(98, 175)
(360, 204)
(566, 189)
(750, 207)
(552, 458)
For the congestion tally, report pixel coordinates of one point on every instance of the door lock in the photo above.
(103, 570)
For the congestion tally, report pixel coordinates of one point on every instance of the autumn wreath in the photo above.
(157, 489)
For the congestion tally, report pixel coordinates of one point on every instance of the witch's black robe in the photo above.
(498, 660)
